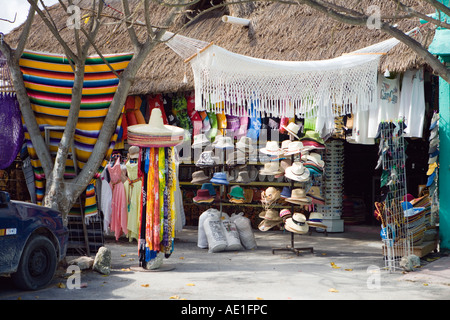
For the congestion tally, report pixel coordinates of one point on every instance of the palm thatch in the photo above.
(277, 31)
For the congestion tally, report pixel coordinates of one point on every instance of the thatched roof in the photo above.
(277, 31)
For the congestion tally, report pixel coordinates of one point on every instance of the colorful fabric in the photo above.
(48, 79)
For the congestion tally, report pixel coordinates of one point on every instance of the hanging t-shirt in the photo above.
(412, 102)
(388, 104)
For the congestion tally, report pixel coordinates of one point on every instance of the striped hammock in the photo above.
(49, 80)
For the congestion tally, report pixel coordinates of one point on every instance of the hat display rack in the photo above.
(295, 221)
(433, 168)
(157, 168)
(395, 231)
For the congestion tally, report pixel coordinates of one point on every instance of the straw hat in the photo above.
(270, 195)
(314, 157)
(297, 223)
(271, 148)
(315, 195)
(155, 133)
(292, 128)
(270, 214)
(133, 152)
(315, 219)
(266, 225)
(271, 168)
(298, 196)
(297, 172)
(294, 147)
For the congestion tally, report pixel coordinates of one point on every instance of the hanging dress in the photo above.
(119, 210)
(133, 189)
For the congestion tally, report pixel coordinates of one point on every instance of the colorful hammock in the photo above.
(49, 79)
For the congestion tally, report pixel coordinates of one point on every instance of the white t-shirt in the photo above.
(412, 102)
(388, 104)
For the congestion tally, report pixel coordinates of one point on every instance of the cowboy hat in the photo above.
(315, 195)
(271, 148)
(292, 128)
(266, 225)
(270, 195)
(297, 172)
(297, 223)
(314, 157)
(299, 196)
(294, 147)
(270, 214)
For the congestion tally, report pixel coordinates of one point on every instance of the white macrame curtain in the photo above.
(306, 89)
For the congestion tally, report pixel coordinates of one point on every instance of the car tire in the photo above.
(37, 264)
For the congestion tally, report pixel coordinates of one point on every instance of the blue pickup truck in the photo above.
(33, 240)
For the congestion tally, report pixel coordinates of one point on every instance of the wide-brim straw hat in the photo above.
(271, 168)
(271, 215)
(315, 219)
(297, 223)
(295, 147)
(266, 225)
(297, 172)
(271, 148)
(292, 128)
(270, 195)
(299, 196)
(155, 134)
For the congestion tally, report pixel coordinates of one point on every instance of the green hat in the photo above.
(237, 192)
(313, 135)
